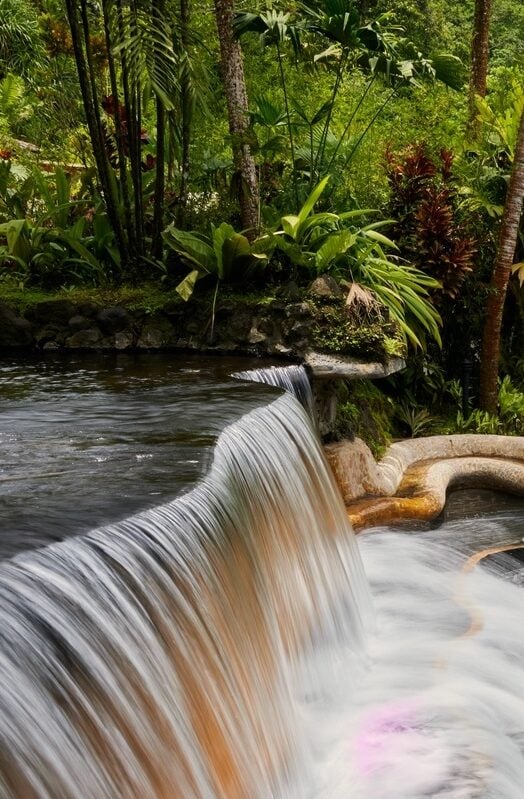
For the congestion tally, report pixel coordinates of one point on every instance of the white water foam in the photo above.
(439, 712)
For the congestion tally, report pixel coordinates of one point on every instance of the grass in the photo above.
(132, 297)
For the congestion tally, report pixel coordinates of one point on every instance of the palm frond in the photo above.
(146, 44)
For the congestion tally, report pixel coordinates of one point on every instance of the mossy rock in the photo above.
(365, 412)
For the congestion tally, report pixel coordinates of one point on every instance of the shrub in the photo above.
(428, 229)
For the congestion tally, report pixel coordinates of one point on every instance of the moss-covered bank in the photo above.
(289, 323)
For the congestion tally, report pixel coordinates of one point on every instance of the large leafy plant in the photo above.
(330, 35)
(51, 257)
(225, 254)
(68, 241)
(363, 258)
(429, 225)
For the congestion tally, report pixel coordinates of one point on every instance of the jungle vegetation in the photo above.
(259, 143)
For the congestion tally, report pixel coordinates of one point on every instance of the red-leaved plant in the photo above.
(429, 231)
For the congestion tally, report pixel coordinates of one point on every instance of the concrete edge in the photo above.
(423, 491)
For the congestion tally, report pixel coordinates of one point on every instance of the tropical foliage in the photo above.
(350, 150)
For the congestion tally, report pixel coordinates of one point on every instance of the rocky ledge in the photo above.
(290, 324)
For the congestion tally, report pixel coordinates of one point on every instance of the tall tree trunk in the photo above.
(158, 10)
(84, 66)
(237, 108)
(363, 7)
(119, 129)
(135, 128)
(500, 278)
(186, 112)
(479, 57)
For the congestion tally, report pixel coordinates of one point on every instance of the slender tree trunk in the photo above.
(186, 109)
(237, 108)
(135, 126)
(479, 57)
(363, 7)
(325, 130)
(500, 278)
(119, 130)
(130, 129)
(92, 112)
(158, 10)
(289, 126)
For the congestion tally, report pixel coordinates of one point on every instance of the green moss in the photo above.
(21, 299)
(146, 297)
(260, 298)
(338, 331)
(365, 412)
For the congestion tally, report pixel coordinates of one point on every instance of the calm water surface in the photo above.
(88, 440)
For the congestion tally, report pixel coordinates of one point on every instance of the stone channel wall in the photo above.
(60, 324)
(413, 478)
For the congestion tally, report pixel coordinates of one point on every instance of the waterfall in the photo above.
(293, 378)
(158, 657)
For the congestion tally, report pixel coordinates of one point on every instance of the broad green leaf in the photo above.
(186, 287)
(16, 232)
(236, 252)
(317, 220)
(191, 247)
(81, 250)
(376, 236)
(357, 212)
(76, 231)
(220, 235)
(450, 70)
(290, 225)
(296, 254)
(336, 245)
(19, 171)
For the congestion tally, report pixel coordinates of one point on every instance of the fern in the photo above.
(21, 48)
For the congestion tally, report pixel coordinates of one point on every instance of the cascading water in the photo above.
(157, 657)
(212, 647)
(293, 378)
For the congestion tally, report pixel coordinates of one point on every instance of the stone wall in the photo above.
(287, 326)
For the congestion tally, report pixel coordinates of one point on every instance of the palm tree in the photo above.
(500, 278)
(187, 107)
(141, 63)
(237, 109)
(80, 35)
(192, 94)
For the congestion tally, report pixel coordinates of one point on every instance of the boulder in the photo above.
(84, 339)
(113, 320)
(56, 312)
(14, 330)
(325, 287)
(155, 335)
(79, 322)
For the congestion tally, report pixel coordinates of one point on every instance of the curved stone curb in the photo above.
(422, 493)
(359, 475)
(412, 479)
(403, 454)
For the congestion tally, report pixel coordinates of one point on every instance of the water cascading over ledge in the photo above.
(156, 658)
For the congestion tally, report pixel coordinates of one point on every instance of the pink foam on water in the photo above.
(388, 734)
